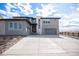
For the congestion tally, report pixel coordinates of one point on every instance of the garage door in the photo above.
(50, 31)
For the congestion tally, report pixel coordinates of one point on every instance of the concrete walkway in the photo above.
(41, 45)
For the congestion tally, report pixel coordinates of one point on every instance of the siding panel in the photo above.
(23, 31)
(2, 27)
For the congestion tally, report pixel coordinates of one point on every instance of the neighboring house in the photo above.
(29, 25)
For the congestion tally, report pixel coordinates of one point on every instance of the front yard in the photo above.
(7, 41)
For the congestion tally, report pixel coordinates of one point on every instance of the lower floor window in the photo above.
(11, 25)
(20, 26)
(15, 25)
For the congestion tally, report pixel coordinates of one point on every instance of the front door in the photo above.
(34, 28)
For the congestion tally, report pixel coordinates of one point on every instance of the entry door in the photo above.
(34, 28)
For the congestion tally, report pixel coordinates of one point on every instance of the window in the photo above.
(20, 26)
(39, 27)
(11, 25)
(46, 22)
(43, 21)
(39, 19)
(15, 25)
(39, 24)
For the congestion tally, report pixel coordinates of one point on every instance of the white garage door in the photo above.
(50, 31)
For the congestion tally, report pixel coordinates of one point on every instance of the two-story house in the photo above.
(29, 25)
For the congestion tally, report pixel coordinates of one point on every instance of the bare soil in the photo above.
(7, 41)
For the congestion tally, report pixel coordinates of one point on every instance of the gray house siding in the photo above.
(2, 27)
(23, 31)
(51, 28)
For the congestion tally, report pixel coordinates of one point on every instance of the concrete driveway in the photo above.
(45, 45)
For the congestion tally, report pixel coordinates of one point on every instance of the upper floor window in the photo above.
(43, 21)
(46, 22)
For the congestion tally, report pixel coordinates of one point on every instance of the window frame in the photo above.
(13, 26)
(46, 22)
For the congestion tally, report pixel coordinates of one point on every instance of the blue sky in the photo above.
(69, 12)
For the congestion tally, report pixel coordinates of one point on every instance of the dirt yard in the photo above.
(7, 41)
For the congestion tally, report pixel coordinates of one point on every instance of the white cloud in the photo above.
(8, 11)
(2, 12)
(63, 23)
(7, 14)
(9, 6)
(46, 10)
(11, 14)
(59, 15)
(77, 8)
(72, 7)
(25, 8)
(69, 22)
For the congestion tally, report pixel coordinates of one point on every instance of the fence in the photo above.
(71, 34)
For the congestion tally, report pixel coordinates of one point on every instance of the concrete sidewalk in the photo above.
(35, 45)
